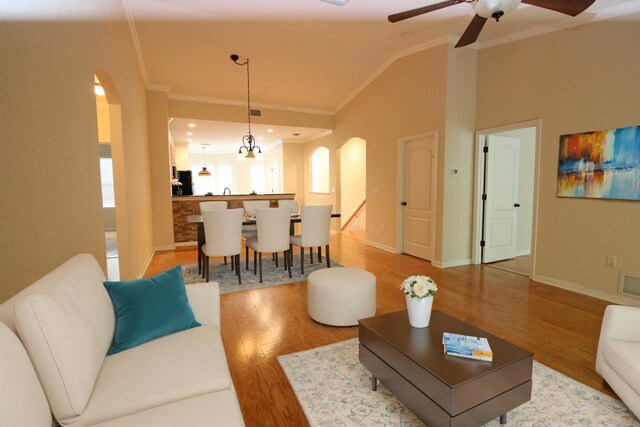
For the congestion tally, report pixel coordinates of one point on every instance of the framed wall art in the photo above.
(600, 165)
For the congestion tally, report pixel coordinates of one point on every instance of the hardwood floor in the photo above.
(560, 327)
(519, 265)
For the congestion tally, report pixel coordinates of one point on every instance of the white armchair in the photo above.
(618, 358)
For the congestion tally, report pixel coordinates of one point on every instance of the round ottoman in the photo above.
(341, 296)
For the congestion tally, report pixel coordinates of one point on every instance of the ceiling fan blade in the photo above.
(472, 32)
(568, 7)
(421, 10)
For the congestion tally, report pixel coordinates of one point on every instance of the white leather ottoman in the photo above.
(341, 296)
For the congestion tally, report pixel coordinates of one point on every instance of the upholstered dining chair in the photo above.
(207, 207)
(315, 232)
(250, 231)
(273, 236)
(291, 204)
(223, 231)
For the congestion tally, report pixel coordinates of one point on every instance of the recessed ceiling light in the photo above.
(336, 2)
(270, 130)
(189, 133)
(192, 125)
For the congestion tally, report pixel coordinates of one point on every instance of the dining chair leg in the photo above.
(255, 262)
(238, 269)
(311, 255)
(233, 264)
(206, 267)
(320, 254)
(260, 261)
(225, 260)
(246, 255)
(327, 256)
(290, 255)
(287, 257)
(275, 255)
(301, 260)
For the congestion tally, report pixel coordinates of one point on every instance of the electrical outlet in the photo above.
(612, 260)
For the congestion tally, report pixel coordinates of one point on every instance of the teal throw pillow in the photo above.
(149, 308)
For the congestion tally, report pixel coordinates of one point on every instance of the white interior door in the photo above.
(501, 190)
(420, 157)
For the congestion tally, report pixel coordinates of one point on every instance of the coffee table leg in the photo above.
(374, 383)
(503, 419)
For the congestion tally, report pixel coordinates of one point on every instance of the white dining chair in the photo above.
(315, 232)
(272, 236)
(290, 204)
(207, 207)
(223, 231)
(250, 231)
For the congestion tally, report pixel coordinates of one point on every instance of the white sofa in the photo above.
(618, 358)
(65, 322)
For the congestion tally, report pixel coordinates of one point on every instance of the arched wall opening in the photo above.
(112, 172)
(353, 187)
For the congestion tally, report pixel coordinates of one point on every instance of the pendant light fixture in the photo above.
(248, 141)
(204, 171)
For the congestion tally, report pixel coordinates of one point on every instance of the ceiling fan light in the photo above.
(486, 8)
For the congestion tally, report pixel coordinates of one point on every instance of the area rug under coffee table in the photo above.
(271, 275)
(334, 389)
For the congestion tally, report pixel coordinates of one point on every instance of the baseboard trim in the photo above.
(146, 264)
(381, 246)
(449, 264)
(180, 244)
(617, 299)
(165, 248)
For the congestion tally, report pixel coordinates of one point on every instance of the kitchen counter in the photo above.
(185, 233)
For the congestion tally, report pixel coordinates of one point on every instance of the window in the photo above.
(320, 170)
(223, 178)
(256, 174)
(106, 176)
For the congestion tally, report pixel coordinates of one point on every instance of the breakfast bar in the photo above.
(185, 232)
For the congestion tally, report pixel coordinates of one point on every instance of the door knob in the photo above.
(516, 205)
(404, 203)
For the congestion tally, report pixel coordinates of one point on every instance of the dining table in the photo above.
(197, 219)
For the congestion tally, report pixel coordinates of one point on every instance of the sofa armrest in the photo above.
(620, 323)
(204, 299)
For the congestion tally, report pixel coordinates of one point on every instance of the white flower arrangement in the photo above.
(176, 181)
(419, 286)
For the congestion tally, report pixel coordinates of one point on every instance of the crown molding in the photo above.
(136, 40)
(177, 97)
(159, 88)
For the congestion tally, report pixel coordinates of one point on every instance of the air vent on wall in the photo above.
(256, 113)
(629, 285)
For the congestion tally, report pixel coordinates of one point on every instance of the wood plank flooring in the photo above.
(560, 327)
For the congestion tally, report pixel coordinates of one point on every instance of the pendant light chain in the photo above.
(248, 98)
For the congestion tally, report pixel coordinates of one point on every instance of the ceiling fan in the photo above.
(495, 9)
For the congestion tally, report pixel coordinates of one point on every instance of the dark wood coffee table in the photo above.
(444, 390)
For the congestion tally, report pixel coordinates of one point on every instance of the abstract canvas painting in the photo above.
(601, 165)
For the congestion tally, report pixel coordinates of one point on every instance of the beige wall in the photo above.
(577, 80)
(160, 168)
(48, 113)
(293, 170)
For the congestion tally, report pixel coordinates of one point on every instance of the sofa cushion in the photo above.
(22, 401)
(149, 308)
(174, 367)
(211, 409)
(67, 328)
(623, 358)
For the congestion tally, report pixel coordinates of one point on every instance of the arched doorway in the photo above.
(111, 166)
(353, 187)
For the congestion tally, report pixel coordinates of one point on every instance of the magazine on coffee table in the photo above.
(467, 346)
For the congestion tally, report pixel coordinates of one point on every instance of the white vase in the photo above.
(419, 310)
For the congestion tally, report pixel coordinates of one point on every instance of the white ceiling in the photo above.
(305, 55)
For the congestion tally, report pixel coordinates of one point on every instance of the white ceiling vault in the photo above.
(306, 55)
